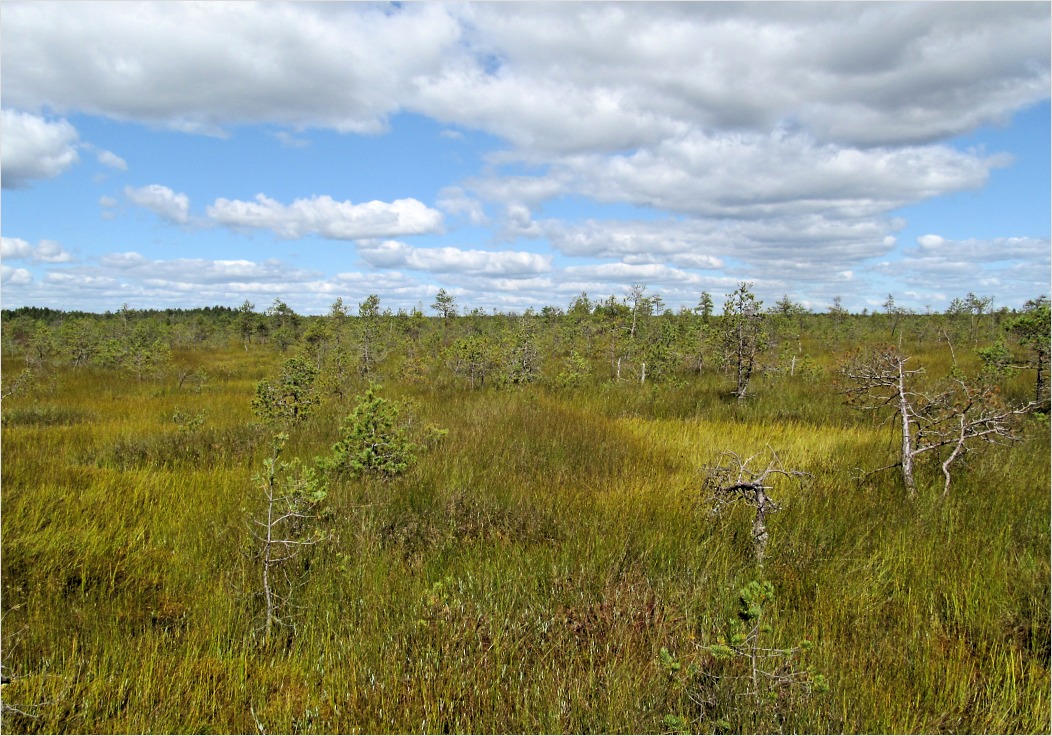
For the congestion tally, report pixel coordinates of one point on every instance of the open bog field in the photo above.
(550, 564)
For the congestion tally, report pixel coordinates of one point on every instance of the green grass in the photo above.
(523, 577)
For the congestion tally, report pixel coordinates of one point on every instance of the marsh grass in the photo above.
(523, 577)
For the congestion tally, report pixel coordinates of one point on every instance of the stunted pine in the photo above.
(745, 335)
(374, 440)
(289, 397)
(292, 497)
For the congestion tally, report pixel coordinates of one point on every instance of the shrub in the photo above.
(374, 441)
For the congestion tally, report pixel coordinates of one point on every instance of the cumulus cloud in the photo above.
(940, 268)
(196, 271)
(328, 218)
(45, 251)
(15, 276)
(870, 75)
(773, 141)
(132, 277)
(162, 201)
(340, 66)
(626, 273)
(510, 264)
(756, 175)
(110, 159)
(290, 141)
(547, 77)
(812, 242)
(981, 251)
(34, 147)
(455, 201)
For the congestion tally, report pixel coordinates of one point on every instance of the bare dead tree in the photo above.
(962, 415)
(879, 381)
(949, 420)
(731, 480)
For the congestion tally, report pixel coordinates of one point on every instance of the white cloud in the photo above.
(34, 148)
(48, 251)
(14, 248)
(1015, 267)
(335, 65)
(328, 218)
(15, 276)
(978, 251)
(290, 141)
(869, 74)
(756, 175)
(511, 264)
(814, 242)
(45, 251)
(110, 159)
(162, 201)
(769, 141)
(624, 273)
(455, 201)
(199, 271)
(558, 77)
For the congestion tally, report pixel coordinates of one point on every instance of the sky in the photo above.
(185, 154)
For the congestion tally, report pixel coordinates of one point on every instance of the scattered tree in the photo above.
(705, 306)
(369, 352)
(772, 675)
(284, 324)
(473, 356)
(745, 334)
(374, 440)
(949, 420)
(291, 397)
(292, 498)
(523, 358)
(445, 305)
(247, 322)
(1032, 330)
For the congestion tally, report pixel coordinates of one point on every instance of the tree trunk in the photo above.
(1042, 356)
(759, 526)
(907, 434)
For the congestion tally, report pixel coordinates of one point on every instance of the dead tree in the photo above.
(732, 480)
(880, 381)
(962, 415)
(948, 420)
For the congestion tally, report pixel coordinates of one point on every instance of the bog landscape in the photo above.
(603, 516)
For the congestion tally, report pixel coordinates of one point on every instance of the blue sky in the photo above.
(191, 154)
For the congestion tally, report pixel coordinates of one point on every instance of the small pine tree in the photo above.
(771, 676)
(292, 499)
(292, 396)
(374, 441)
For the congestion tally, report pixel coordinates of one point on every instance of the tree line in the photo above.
(634, 338)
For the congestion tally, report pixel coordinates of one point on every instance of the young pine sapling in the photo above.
(284, 529)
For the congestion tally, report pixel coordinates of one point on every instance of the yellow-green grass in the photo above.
(522, 577)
